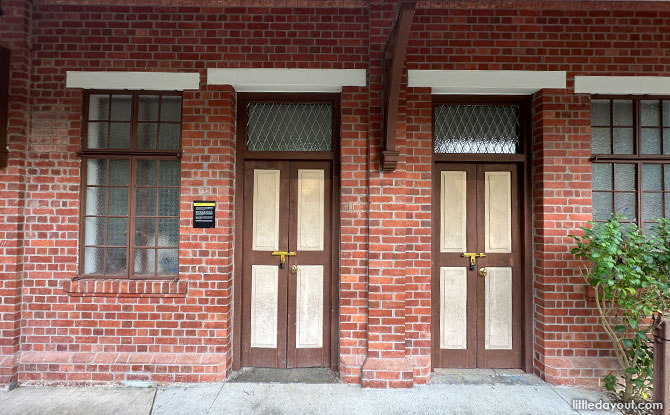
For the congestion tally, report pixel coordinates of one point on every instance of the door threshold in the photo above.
(484, 377)
(312, 375)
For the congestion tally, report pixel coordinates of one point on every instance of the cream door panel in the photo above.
(310, 210)
(309, 304)
(498, 314)
(498, 212)
(266, 210)
(453, 211)
(264, 303)
(453, 307)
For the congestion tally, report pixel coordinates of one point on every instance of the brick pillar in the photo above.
(386, 364)
(14, 35)
(353, 233)
(570, 347)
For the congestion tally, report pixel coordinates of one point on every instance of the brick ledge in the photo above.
(125, 288)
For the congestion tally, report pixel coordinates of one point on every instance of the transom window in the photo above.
(278, 126)
(477, 129)
(131, 170)
(630, 143)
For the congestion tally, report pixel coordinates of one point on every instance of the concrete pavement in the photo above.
(449, 394)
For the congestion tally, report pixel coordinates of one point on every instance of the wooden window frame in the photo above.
(637, 158)
(132, 154)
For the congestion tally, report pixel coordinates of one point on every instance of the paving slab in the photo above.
(189, 399)
(575, 394)
(29, 400)
(490, 399)
(297, 375)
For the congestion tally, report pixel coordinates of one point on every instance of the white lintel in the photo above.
(286, 80)
(160, 81)
(479, 82)
(623, 85)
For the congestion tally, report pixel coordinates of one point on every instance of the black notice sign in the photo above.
(203, 214)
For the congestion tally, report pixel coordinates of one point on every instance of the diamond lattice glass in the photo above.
(289, 127)
(479, 129)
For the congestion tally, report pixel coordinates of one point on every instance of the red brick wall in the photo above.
(14, 35)
(581, 38)
(182, 331)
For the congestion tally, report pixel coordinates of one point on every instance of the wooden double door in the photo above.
(477, 266)
(287, 264)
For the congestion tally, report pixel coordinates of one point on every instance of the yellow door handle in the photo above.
(282, 256)
(483, 272)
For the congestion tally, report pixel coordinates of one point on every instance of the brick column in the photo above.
(14, 35)
(386, 364)
(570, 347)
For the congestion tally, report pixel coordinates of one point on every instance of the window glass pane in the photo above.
(651, 141)
(95, 231)
(624, 177)
(147, 108)
(600, 141)
(652, 206)
(490, 129)
(667, 205)
(650, 114)
(94, 260)
(601, 176)
(168, 200)
(96, 200)
(118, 172)
(624, 204)
(98, 107)
(96, 172)
(145, 262)
(170, 136)
(146, 173)
(145, 202)
(623, 112)
(666, 176)
(118, 201)
(168, 232)
(121, 105)
(146, 135)
(171, 109)
(289, 127)
(117, 231)
(600, 112)
(119, 135)
(648, 228)
(666, 113)
(116, 261)
(167, 261)
(602, 205)
(145, 232)
(666, 141)
(623, 140)
(651, 177)
(169, 173)
(97, 135)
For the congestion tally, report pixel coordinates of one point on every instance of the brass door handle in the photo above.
(282, 256)
(483, 272)
(293, 269)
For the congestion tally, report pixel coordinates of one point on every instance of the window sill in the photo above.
(125, 288)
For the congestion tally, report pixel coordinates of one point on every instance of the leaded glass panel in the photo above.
(480, 129)
(278, 126)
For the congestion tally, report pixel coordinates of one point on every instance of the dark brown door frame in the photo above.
(524, 162)
(242, 155)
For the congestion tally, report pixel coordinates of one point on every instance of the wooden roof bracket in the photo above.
(395, 53)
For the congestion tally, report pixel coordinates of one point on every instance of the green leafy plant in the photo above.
(629, 272)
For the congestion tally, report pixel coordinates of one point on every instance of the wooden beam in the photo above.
(394, 62)
(4, 105)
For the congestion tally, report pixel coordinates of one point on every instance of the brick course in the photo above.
(59, 330)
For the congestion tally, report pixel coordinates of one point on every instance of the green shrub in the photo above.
(629, 272)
